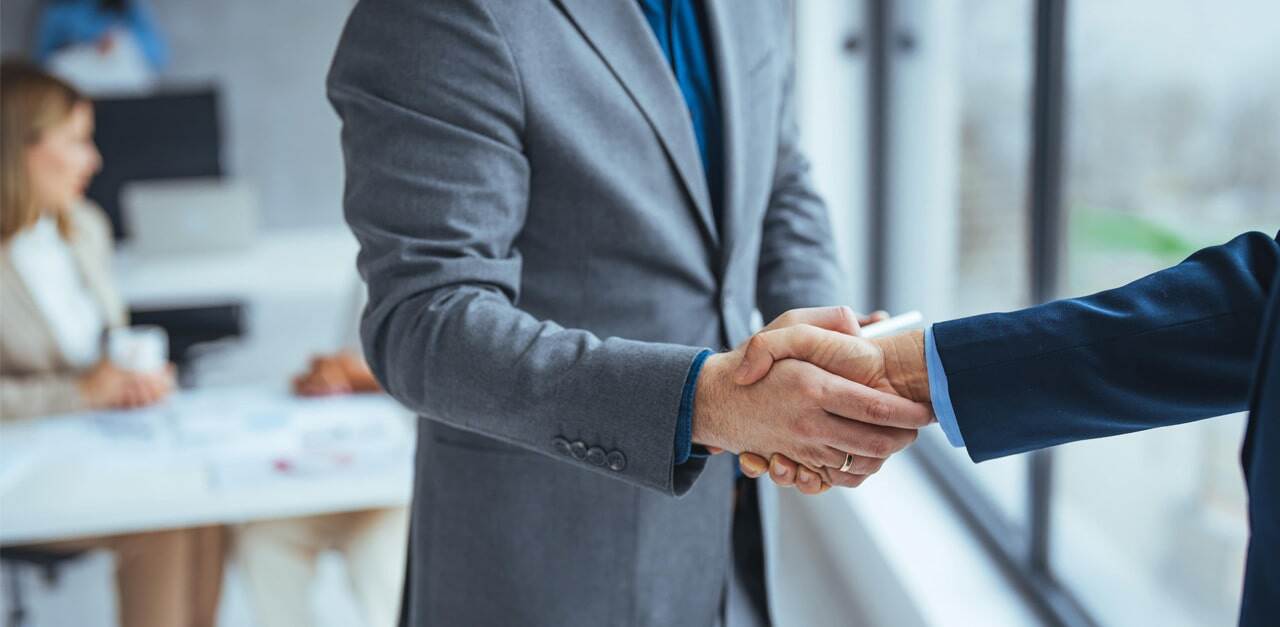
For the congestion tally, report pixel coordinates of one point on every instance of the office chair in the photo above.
(14, 559)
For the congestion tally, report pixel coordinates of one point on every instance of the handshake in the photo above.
(813, 403)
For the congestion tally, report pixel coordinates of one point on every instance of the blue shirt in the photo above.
(939, 394)
(679, 26)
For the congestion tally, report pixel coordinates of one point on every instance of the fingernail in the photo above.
(805, 478)
(753, 466)
(780, 470)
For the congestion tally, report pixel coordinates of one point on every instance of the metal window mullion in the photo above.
(1046, 221)
(879, 24)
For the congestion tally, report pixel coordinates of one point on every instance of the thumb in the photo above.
(841, 319)
(804, 342)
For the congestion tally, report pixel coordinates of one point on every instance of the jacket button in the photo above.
(595, 455)
(578, 449)
(617, 461)
(561, 445)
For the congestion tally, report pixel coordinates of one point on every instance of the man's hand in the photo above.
(894, 365)
(801, 411)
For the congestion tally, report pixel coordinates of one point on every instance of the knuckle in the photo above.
(845, 319)
(813, 390)
(811, 457)
(879, 446)
(879, 410)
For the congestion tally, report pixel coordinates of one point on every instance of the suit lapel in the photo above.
(727, 60)
(618, 33)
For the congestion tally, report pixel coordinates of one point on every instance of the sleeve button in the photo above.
(561, 445)
(596, 456)
(578, 449)
(617, 461)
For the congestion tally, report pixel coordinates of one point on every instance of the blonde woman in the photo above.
(56, 300)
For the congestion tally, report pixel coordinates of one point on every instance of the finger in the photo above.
(782, 470)
(160, 385)
(818, 346)
(329, 377)
(839, 319)
(860, 465)
(873, 317)
(133, 392)
(164, 382)
(808, 481)
(753, 465)
(829, 457)
(864, 439)
(149, 391)
(859, 402)
(846, 480)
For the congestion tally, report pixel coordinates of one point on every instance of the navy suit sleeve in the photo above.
(1172, 347)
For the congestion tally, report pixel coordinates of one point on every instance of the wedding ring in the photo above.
(848, 462)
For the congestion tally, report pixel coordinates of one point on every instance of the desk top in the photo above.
(210, 456)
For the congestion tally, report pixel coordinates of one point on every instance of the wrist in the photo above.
(708, 396)
(904, 365)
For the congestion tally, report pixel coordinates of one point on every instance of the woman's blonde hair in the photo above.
(31, 102)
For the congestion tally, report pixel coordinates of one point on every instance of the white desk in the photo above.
(205, 457)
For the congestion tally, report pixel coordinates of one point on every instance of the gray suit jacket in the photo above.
(543, 265)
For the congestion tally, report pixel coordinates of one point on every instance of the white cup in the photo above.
(143, 348)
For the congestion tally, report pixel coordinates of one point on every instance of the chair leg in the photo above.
(13, 586)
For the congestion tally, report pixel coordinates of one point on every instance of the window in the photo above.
(993, 50)
(1173, 125)
(1095, 142)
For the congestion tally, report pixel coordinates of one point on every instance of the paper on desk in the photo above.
(236, 434)
(291, 438)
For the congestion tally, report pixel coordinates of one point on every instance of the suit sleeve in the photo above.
(1172, 347)
(798, 264)
(437, 193)
(39, 395)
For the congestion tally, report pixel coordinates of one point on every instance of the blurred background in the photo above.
(976, 156)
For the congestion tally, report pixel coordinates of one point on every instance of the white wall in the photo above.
(269, 59)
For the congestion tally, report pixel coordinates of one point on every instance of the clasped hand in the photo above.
(824, 406)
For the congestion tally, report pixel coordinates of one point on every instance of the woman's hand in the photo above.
(107, 386)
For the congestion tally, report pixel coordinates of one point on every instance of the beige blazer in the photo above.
(35, 378)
